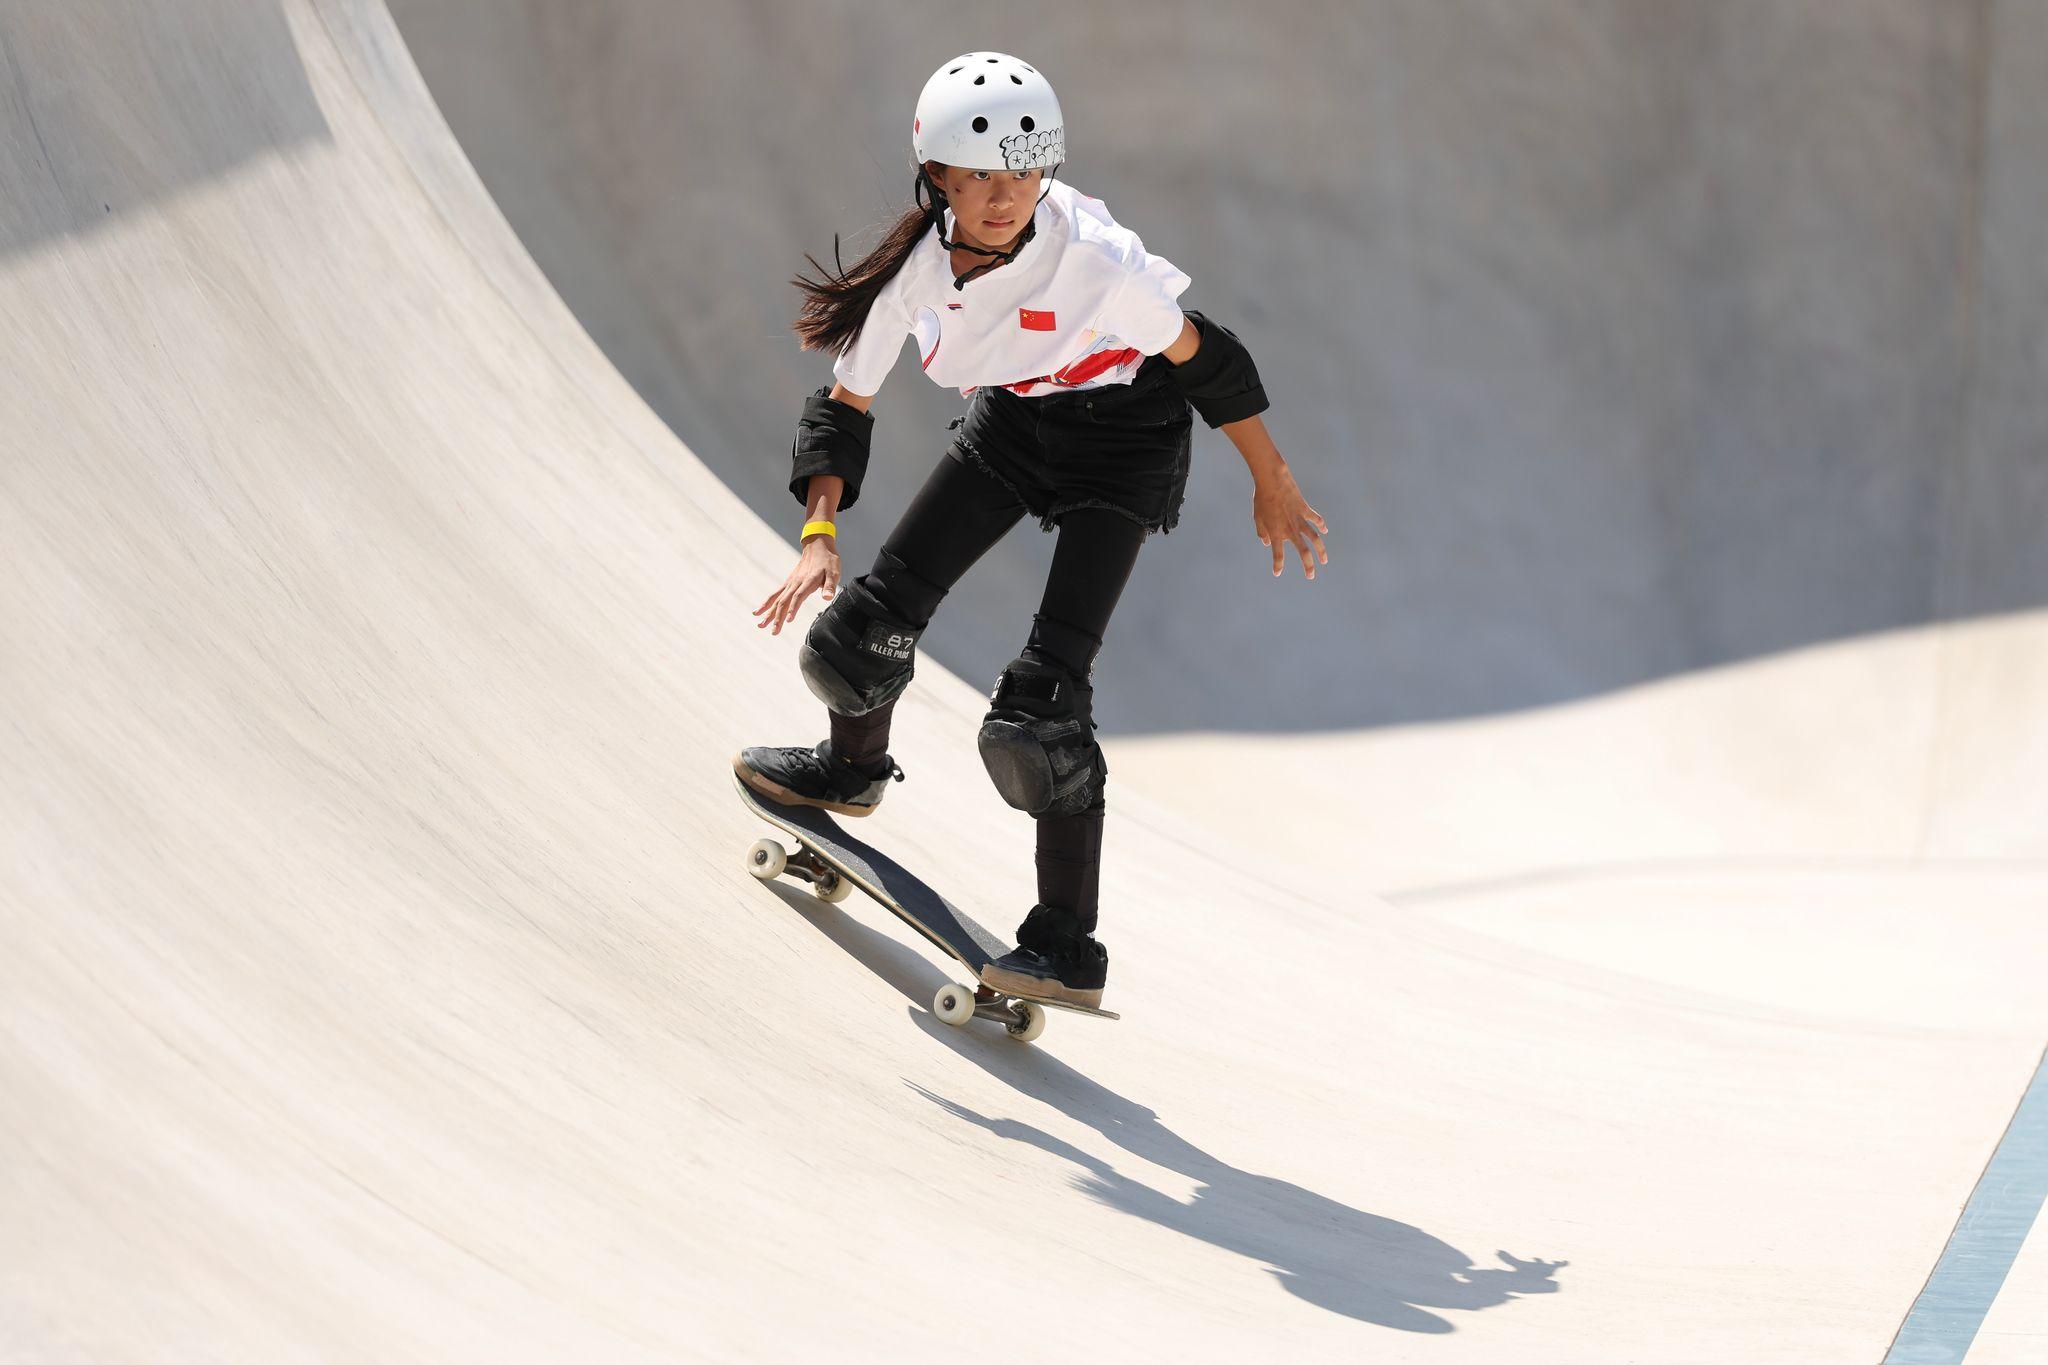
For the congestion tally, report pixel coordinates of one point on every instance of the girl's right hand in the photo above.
(817, 567)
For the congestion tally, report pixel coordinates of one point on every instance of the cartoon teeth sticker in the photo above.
(1022, 151)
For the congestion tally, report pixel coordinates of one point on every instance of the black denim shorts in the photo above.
(1122, 446)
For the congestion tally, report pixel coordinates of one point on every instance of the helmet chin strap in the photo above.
(936, 211)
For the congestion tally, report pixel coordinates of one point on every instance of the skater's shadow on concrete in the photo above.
(1358, 1264)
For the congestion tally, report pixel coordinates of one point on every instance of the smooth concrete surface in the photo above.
(1616, 339)
(1908, 748)
(379, 979)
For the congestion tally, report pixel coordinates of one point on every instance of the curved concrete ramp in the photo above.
(379, 979)
(1616, 341)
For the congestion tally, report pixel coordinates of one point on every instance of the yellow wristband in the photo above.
(812, 528)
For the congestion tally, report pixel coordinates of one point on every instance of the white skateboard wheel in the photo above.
(954, 1004)
(1030, 1021)
(833, 889)
(766, 859)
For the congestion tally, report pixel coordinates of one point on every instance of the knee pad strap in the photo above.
(1037, 740)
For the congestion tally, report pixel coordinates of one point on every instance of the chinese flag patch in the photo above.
(1032, 320)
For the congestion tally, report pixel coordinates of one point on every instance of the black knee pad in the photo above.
(858, 655)
(1038, 742)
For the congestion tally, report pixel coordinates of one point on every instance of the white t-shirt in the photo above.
(1080, 307)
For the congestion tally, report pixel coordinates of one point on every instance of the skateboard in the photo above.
(834, 862)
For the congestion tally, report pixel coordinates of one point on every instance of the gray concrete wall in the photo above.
(95, 128)
(1997, 535)
(1614, 338)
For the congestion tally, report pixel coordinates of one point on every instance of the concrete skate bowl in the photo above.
(379, 979)
(1616, 341)
(1670, 376)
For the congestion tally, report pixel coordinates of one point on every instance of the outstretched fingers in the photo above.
(778, 609)
(1306, 535)
(1308, 540)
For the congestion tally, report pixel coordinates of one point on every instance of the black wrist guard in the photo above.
(831, 438)
(1219, 379)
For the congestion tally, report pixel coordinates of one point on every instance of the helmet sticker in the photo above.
(1022, 151)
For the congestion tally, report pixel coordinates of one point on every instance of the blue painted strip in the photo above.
(1987, 1239)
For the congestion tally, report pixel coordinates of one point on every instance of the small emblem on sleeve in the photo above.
(1031, 320)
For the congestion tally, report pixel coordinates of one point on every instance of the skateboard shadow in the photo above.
(1350, 1262)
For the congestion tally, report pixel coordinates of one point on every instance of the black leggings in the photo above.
(959, 513)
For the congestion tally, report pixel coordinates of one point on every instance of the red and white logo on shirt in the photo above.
(1031, 320)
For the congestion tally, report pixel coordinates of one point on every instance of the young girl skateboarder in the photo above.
(1080, 368)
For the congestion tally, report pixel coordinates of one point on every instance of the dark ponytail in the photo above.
(835, 307)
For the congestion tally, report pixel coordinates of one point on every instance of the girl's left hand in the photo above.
(1282, 515)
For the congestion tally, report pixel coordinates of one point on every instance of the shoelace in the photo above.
(895, 772)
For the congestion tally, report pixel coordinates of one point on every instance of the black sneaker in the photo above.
(796, 776)
(1073, 971)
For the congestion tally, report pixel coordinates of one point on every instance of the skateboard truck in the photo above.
(1022, 1019)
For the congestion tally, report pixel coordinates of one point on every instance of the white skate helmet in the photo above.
(988, 111)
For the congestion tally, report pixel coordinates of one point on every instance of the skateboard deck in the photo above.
(833, 861)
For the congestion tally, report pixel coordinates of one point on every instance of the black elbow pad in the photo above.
(1219, 379)
(831, 438)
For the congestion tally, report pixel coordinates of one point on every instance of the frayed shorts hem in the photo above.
(1049, 515)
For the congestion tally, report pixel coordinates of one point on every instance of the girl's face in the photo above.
(989, 207)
